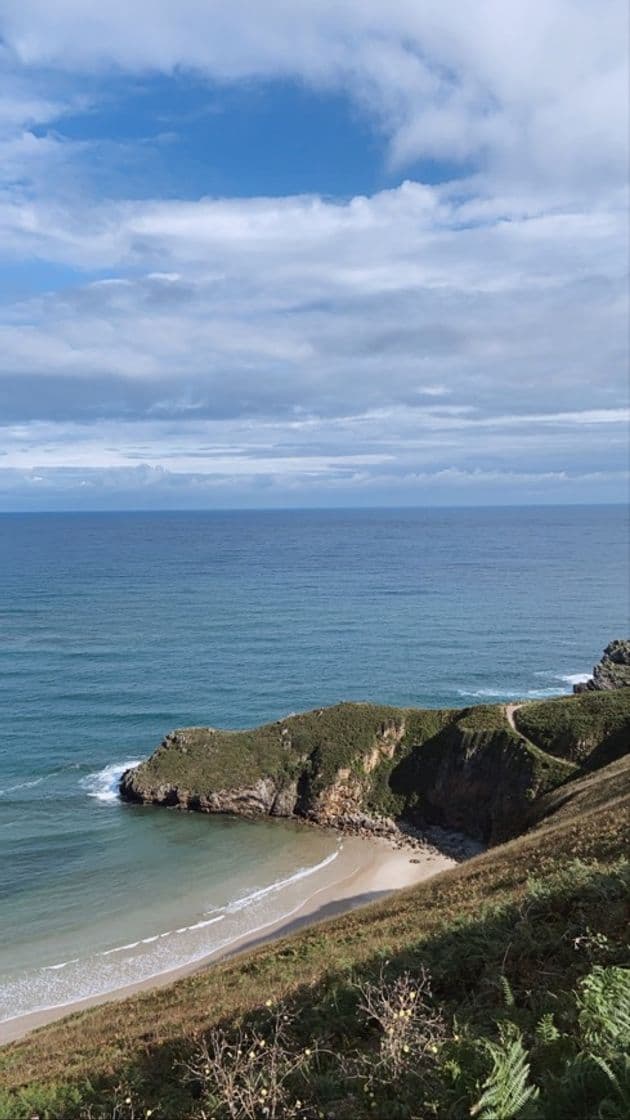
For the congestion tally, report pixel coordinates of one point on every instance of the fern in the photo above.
(591, 1088)
(508, 994)
(595, 1083)
(546, 1030)
(616, 1104)
(604, 1009)
(507, 1091)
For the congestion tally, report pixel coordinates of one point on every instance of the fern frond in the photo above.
(603, 1004)
(508, 994)
(507, 1091)
(617, 1075)
(546, 1029)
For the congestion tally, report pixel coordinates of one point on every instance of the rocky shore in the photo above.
(613, 671)
(429, 842)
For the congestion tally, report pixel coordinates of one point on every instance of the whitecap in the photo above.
(508, 694)
(208, 922)
(104, 784)
(574, 678)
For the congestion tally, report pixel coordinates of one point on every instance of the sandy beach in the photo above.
(365, 871)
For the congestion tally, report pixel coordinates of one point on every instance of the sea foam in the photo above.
(103, 784)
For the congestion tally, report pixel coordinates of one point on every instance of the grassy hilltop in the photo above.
(475, 769)
(499, 989)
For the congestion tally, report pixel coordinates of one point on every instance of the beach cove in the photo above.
(118, 628)
(362, 871)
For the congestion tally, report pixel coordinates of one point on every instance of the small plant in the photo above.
(253, 1074)
(124, 1106)
(604, 1010)
(410, 1029)
(508, 1092)
(596, 945)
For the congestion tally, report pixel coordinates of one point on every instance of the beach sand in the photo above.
(365, 871)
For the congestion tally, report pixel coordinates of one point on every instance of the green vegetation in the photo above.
(499, 989)
(466, 769)
(574, 727)
(204, 759)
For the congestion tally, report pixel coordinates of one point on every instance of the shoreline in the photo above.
(368, 869)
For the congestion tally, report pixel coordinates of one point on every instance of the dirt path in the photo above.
(510, 709)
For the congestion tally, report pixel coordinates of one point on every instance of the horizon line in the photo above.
(315, 509)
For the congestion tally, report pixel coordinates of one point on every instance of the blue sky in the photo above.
(329, 254)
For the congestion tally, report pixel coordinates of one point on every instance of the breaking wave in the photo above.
(103, 784)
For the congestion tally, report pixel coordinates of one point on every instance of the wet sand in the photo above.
(365, 871)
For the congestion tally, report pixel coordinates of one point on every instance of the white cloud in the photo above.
(471, 331)
(300, 302)
(535, 89)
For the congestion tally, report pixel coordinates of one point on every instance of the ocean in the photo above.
(117, 627)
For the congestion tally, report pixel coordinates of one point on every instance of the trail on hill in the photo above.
(510, 709)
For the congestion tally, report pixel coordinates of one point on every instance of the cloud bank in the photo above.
(463, 339)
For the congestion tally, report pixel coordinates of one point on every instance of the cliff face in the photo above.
(613, 671)
(462, 769)
(316, 765)
(476, 781)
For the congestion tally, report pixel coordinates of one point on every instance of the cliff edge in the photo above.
(353, 765)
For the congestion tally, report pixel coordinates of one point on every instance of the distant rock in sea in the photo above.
(613, 671)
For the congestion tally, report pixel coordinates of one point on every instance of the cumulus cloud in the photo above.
(523, 83)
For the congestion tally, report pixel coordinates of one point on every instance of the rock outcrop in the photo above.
(613, 671)
(374, 769)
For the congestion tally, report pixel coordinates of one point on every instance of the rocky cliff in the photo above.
(613, 671)
(353, 764)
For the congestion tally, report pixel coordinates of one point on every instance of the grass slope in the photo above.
(573, 727)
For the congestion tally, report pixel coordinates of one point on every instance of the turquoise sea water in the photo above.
(115, 628)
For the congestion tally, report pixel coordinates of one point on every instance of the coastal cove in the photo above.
(119, 628)
(362, 871)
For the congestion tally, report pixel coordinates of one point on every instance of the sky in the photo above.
(313, 253)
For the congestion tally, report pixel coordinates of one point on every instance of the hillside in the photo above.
(469, 769)
(497, 989)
